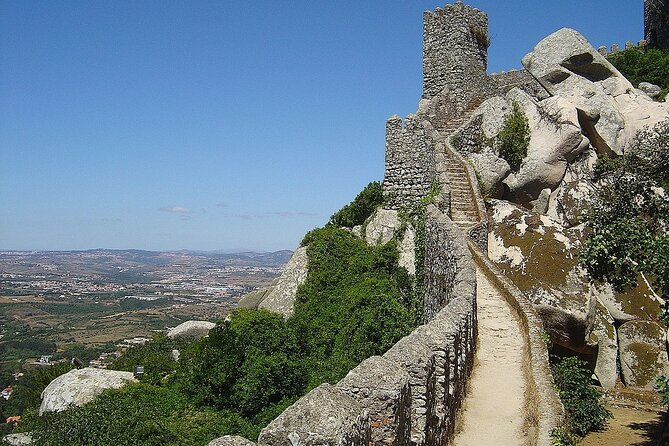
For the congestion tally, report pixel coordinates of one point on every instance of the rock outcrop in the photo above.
(231, 440)
(191, 329)
(643, 353)
(78, 387)
(540, 256)
(282, 296)
(610, 110)
(325, 416)
(381, 226)
(18, 439)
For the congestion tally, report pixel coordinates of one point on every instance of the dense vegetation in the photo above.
(630, 215)
(356, 212)
(644, 65)
(356, 302)
(583, 409)
(514, 138)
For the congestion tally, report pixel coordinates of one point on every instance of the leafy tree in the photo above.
(584, 411)
(644, 65)
(514, 138)
(137, 415)
(630, 216)
(27, 393)
(155, 357)
(246, 364)
(356, 212)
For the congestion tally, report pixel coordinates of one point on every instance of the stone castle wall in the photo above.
(455, 53)
(409, 166)
(656, 23)
(412, 393)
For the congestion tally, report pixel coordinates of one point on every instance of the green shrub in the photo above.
(662, 387)
(136, 415)
(356, 212)
(155, 357)
(584, 411)
(27, 392)
(514, 138)
(629, 214)
(560, 436)
(639, 65)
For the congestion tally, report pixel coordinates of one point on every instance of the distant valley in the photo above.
(64, 303)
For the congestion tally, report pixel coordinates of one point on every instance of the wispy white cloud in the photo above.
(176, 209)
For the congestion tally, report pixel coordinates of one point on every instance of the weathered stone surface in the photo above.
(326, 416)
(605, 336)
(570, 202)
(491, 170)
(407, 250)
(455, 53)
(409, 165)
(643, 354)
(419, 362)
(282, 298)
(22, 439)
(651, 90)
(381, 226)
(555, 140)
(382, 387)
(253, 299)
(494, 112)
(231, 440)
(540, 257)
(610, 110)
(191, 329)
(78, 387)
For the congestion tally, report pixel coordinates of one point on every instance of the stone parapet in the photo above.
(412, 393)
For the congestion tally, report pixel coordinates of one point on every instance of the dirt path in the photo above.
(494, 407)
(629, 427)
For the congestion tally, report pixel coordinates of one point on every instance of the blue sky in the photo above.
(219, 125)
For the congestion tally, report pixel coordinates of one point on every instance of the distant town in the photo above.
(94, 305)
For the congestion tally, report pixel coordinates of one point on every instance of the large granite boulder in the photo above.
(491, 170)
(540, 257)
(555, 140)
(191, 329)
(610, 110)
(643, 353)
(570, 202)
(78, 387)
(324, 416)
(231, 440)
(281, 298)
(22, 439)
(252, 299)
(381, 226)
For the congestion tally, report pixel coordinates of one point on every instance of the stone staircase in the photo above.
(465, 211)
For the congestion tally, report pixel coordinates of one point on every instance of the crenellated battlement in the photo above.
(615, 48)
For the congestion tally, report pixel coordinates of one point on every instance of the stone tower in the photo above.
(455, 51)
(656, 23)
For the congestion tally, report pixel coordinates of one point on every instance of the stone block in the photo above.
(382, 387)
(326, 416)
